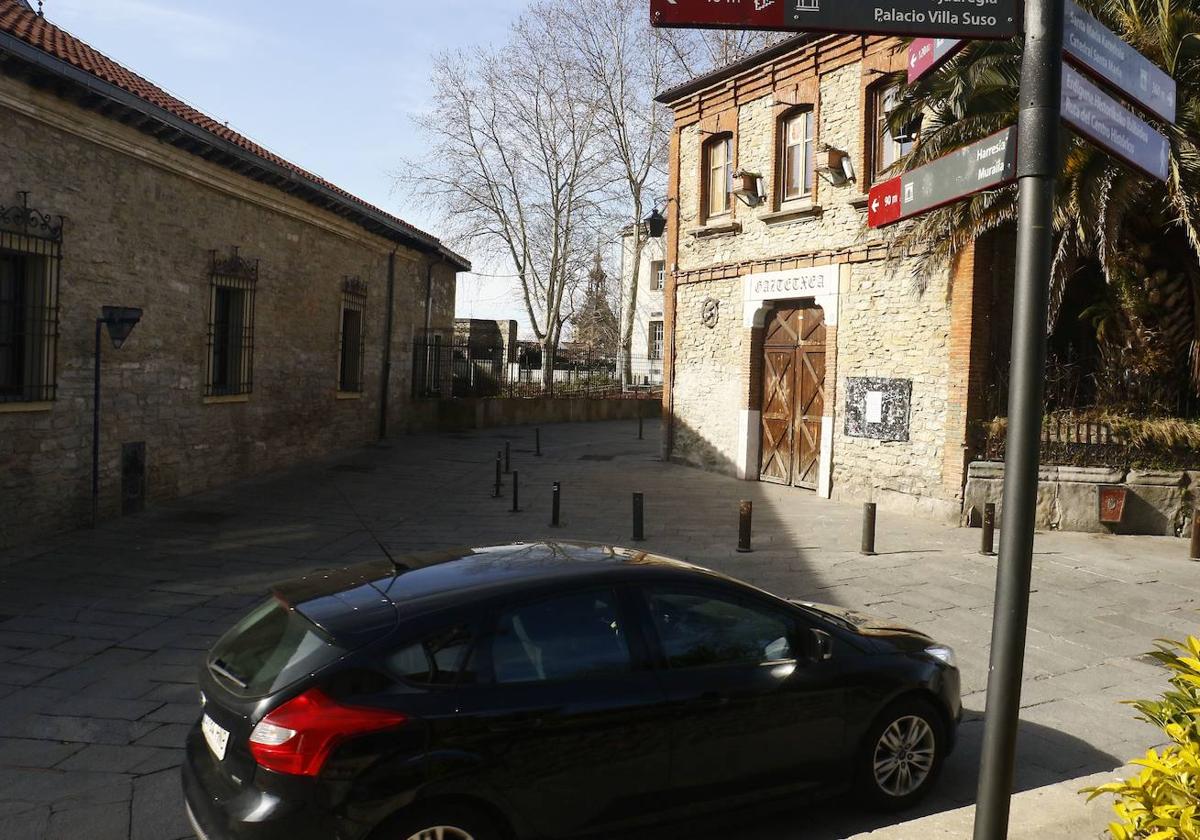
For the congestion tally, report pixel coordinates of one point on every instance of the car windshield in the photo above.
(269, 649)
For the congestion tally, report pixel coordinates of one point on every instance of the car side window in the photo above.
(703, 629)
(568, 637)
(438, 659)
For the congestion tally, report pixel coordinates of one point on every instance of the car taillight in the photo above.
(297, 737)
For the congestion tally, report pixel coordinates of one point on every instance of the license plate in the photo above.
(215, 735)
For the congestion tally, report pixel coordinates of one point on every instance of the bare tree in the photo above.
(697, 51)
(516, 168)
(627, 64)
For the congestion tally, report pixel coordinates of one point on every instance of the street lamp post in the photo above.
(120, 321)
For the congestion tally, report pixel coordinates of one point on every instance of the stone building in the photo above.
(279, 311)
(797, 350)
(646, 346)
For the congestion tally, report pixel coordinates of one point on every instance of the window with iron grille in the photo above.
(30, 255)
(656, 339)
(350, 340)
(231, 326)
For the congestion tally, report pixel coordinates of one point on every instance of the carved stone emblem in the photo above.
(710, 312)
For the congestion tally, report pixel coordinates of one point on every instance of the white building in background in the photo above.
(647, 347)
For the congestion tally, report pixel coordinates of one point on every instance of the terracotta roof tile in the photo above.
(16, 19)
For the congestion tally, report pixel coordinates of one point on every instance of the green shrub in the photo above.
(1162, 801)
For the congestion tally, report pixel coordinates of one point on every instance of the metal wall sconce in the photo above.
(834, 166)
(748, 188)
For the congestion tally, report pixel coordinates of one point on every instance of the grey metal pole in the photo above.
(1195, 548)
(96, 430)
(639, 529)
(555, 504)
(516, 506)
(745, 514)
(868, 529)
(1037, 163)
(987, 538)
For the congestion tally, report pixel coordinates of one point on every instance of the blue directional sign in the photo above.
(1112, 126)
(1101, 53)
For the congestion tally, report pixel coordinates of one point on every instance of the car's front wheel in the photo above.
(438, 824)
(902, 754)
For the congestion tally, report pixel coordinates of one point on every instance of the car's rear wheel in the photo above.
(902, 754)
(443, 823)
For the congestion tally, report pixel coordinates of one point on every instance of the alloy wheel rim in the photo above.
(441, 832)
(904, 756)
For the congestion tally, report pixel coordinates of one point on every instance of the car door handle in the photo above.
(709, 700)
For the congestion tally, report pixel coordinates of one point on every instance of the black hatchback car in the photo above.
(549, 690)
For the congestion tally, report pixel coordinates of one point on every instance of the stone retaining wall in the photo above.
(1157, 502)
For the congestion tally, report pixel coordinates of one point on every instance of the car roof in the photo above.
(342, 601)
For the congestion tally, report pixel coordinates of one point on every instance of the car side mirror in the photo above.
(822, 645)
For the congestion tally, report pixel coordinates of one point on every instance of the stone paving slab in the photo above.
(101, 631)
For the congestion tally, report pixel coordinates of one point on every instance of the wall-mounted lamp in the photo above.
(834, 166)
(656, 223)
(748, 188)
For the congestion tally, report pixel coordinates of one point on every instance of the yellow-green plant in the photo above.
(1163, 800)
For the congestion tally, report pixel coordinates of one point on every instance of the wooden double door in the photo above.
(793, 395)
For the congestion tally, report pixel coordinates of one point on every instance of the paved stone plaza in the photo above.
(101, 632)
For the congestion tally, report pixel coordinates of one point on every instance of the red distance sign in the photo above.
(883, 202)
(742, 14)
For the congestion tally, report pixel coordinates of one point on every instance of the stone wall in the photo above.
(709, 386)
(1156, 501)
(882, 326)
(887, 330)
(142, 219)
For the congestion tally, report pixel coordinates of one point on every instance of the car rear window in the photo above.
(269, 649)
(438, 659)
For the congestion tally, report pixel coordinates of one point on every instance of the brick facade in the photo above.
(877, 324)
(142, 220)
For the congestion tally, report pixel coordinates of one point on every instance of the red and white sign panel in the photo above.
(883, 203)
(951, 18)
(978, 166)
(737, 14)
(928, 54)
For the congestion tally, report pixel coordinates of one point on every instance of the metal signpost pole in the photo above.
(1038, 124)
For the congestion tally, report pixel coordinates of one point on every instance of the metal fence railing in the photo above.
(445, 367)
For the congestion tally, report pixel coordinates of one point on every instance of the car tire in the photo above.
(453, 821)
(902, 755)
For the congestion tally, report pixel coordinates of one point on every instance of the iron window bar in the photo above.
(230, 336)
(30, 269)
(352, 328)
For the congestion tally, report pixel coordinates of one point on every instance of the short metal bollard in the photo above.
(555, 504)
(987, 545)
(640, 427)
(1195, 552)
(507, 462)
(639, 531)
(537, 442)
(516, 508)
(868, 532)
(745, 509)
(496, 489)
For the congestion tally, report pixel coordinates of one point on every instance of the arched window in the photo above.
(718, 176)
(796, 155)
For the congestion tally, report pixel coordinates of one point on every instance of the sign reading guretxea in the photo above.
(796, 283)
(985, 19)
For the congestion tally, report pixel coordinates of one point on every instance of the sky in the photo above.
(331, 86)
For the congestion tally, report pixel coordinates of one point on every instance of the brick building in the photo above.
(797, 351)
(279, 310)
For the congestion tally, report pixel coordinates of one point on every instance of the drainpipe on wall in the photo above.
(387, 347)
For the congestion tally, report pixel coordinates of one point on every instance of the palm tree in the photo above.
(1141, 235)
